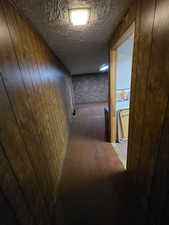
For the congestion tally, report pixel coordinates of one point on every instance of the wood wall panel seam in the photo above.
(163, 207)
(148, 154)
(15, 220)
(61, 64)
(5, 152)
(16, 178)
(138, 153)
(36, 97)
(147, 80)
(19, 65)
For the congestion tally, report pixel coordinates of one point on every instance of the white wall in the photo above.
(124, 69)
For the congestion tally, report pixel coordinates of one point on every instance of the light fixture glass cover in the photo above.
(79, 16)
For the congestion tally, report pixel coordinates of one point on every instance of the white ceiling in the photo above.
(82, 49)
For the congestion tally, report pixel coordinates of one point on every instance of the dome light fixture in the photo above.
(79, 16)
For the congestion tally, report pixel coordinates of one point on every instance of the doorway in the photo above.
(121, 59)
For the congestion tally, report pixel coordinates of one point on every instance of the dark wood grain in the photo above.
(158, 101)
(144, 26)
(11, 190)
(148, 156)
(36, 108)
(7, 216)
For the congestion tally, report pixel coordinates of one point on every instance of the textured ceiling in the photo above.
(81, 48)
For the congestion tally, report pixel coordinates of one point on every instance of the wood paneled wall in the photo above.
(148, 152)
(35, 112)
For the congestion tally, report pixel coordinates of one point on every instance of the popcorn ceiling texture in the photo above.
(91, 88)
(81, 48)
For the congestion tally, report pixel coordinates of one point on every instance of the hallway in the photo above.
(56, 168)
(94, 188)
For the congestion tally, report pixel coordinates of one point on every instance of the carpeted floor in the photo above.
(95, 189)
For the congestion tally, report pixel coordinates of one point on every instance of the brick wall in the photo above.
(90, 88)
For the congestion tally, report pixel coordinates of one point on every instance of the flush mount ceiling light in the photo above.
(79, 16)
(104, 68)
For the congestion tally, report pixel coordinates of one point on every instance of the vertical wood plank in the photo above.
(34, 124)
(13, 192)
(148, 155)
(112, 100)
(158, 102)
(144, 29)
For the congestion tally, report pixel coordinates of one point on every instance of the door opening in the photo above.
(121, 58)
